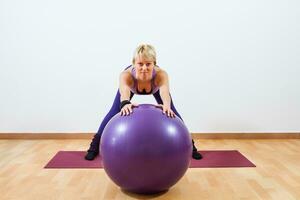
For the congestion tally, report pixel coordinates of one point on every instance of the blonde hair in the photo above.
(146, 51)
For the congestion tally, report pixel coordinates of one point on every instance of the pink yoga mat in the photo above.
(211, 159)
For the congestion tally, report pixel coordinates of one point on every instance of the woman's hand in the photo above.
(166, 110)
(127, 109)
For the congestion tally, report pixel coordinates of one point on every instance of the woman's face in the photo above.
(144, 68)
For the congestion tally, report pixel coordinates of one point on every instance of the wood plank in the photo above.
(277, 175)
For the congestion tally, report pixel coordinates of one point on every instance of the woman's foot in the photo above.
(196, 155)
(91, 155)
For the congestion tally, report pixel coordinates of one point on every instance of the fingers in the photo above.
(126, 110)
(169, 112)
(164, 110)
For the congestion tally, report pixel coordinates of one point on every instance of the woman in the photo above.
(142, 77)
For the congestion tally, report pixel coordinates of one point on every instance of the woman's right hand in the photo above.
(127, 109)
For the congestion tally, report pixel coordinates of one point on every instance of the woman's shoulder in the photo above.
(160, 71)
(126, 76)
(128, 69)
(161, 75)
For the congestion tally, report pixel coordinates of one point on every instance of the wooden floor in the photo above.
(277, 175)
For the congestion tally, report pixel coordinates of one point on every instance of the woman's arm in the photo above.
(164, 91)
(124, 86)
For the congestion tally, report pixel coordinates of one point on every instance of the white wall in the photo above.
(234, 66)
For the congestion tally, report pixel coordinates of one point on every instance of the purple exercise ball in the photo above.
(145, 152)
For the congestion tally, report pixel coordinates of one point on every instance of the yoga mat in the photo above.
(211, 159)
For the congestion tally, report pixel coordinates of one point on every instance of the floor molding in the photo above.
(246, 135)
(54, 136)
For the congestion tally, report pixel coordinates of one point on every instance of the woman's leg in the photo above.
(94, 146)
(195, 154)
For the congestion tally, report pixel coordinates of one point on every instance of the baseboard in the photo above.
(246, 135)
(54, 136)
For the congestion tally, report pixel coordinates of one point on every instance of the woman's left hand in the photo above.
(166, 110)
